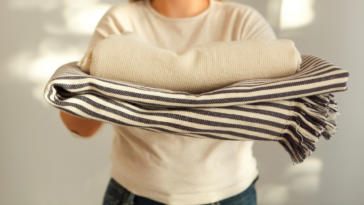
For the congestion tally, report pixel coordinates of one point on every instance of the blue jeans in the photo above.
(118, 195)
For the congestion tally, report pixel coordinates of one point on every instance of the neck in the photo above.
(179, 8)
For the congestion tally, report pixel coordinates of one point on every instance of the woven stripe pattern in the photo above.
(294, 111)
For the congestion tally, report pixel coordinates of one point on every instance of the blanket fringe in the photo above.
(313, 117)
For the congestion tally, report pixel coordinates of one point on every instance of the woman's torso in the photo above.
(175, 169)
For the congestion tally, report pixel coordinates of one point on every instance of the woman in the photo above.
(159, 168)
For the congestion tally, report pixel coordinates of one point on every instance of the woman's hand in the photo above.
(81, 126)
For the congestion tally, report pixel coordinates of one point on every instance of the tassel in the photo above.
(297, 151)
(312, 117)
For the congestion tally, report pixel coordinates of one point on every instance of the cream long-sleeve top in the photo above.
(168, 168)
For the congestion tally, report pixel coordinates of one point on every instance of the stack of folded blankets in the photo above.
(261, 90)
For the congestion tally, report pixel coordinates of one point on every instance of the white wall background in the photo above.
(42, 164)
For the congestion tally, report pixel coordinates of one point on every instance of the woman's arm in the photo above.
(78, 126)
(257, 27)
(110, 23)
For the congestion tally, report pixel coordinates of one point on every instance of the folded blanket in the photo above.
(195, 70)
(294, 110)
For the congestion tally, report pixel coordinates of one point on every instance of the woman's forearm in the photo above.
(81, 126)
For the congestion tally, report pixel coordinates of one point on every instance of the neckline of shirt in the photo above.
(195, 17)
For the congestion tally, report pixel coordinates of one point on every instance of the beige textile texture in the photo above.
(197, 69)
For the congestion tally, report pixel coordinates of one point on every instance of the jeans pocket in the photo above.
(110, 200)
(115, 193)
(247, 197)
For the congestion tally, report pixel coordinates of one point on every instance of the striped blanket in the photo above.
(295, 110)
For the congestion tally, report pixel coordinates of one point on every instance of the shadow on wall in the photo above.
(302, 179)
(79, 19)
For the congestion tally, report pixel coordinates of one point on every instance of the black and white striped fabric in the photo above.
(295, 110)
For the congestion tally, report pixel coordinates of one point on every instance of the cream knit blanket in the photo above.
(195, 70)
